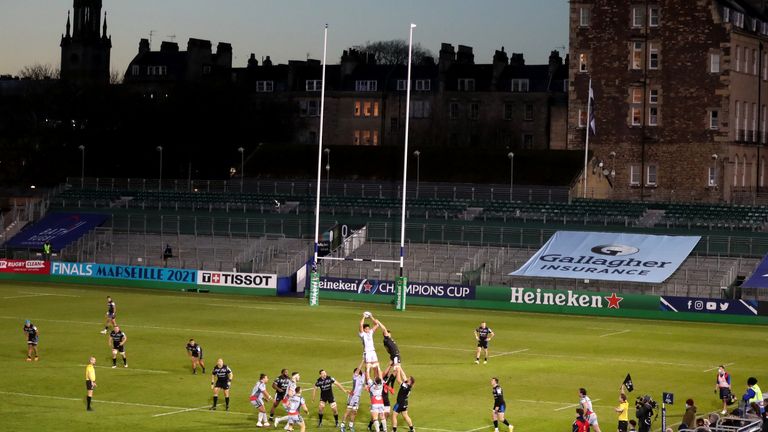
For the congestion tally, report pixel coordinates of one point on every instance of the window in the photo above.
(565, 86)
(508, 107)
(365, 137)
(650, 178)
(738, 58)
(157, 70)
(634, 175)
(711, 176)
(584, 17)
(394, 124)
(520, 85)
(653, 55)
(743, 170)
(746, 60)
(638, 16)
(207, 69)
(738, 19)
(714, 119)
(528, 116)
(466, 84)
(309, 108)
(402, 85)
(356, 137)
(527, 141)
(313, 85)
(765, 66)
(754, 24)
(636, 115)
(583, 63)
(754, 122)
(135, 70)
(453, 110)
(726, 15)
(637, 95)
(474, 111)
(653, 116)
(762, 128)
(653, 16)
(746, 119)
(265, 86)
(423, 85)
(366, 85)
(637, 55)
(312, 137)
(736, 116)
(421, 109)
(736, 170)
(366, 109)
(653, 96)
(714, 63)
(582, 118)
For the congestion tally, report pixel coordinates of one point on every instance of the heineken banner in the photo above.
(609, 256)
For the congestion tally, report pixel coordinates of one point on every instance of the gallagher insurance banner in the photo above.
(759, 278)
(609, 256)
(60, 229)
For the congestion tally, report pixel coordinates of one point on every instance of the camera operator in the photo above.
(644, 407)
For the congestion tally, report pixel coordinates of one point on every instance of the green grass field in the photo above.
(540, 359)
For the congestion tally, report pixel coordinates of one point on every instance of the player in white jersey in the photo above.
(258, 394)
(586, 405)
(353, 402)
(293, 402)
(369, 349)
(376, 389)
(292, 386)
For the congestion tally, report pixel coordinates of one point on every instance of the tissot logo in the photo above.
(615, 250)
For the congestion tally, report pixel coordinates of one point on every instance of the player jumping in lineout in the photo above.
(369, 349)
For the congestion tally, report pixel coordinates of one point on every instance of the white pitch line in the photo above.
(24, 296)
(615, 333)
(509, 353)
(49, 294)
(241, 306)
(572, 406)
(715, 368)
(132, 369)
(180, 411)
(477, 429)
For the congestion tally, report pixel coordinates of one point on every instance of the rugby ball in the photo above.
(367, 314)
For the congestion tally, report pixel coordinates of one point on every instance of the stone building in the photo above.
(680, 97)
(85, 47)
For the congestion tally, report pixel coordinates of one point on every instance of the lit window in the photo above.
(583, 62)
(636, 116)
(637, 95)
(637, 55)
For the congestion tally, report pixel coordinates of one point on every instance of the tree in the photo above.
(39, 71)
(394, 52)
(115, 77)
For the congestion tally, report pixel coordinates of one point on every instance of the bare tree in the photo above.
(115, 77)
(395, 51)
(39, 71)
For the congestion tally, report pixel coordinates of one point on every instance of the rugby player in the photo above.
(280, 386)
(376, 390)
(117, 339)
(325, 383)
(257, 399)
(292, 403)
(195, 352)
(586, 404)
(391, 347)
(293, 383)
(221, 379)
(499, 405)
(483, 334)
(369, 350)
(111, 314)
(401, 406)
(353, 401)
(30, 330)
(90, 381)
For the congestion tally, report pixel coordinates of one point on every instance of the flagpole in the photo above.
(586, 143)
(314, 289)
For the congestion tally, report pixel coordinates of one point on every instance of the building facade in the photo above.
(86, 47)
(680, 90)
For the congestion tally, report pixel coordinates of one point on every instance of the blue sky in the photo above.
(30, 30)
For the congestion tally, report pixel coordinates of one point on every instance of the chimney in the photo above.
(224, 55)
(446, 57)
(465, 55)
(517, 59)
(500, 62)
(169, 47)
(143, 46)
(555, 61)
(252, 62)
(267, 62)
(349, 60)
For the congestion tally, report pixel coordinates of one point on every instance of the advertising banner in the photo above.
(108, 271)
(60, 229)
(417, 289)
(24, 266)
(709, 305)
(579, 300)
(609, 256)
(759, 278)
(240, 280)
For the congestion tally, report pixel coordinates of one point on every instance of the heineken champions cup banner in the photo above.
(609, 256)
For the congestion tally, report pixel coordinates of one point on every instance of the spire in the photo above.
(105, 24)
(68, 24)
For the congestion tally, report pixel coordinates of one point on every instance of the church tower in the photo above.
(85, 47)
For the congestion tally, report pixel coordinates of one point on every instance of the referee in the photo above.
(90, 381)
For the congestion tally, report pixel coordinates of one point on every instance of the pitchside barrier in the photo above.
(143, 277)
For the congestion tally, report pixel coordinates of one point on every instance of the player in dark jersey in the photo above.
(391, 347)
(401, 407)
(111, 315)
(325, 383)
(280, 386)
(483, 334)
(117, 339)
(195, 352)
(499, 405)
(221, 379)
(30, 330)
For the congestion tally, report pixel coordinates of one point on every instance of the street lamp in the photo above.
(82, 165)
(511, 157)
(418, 173)
(160, 178)
(242, 167)
(327, 169)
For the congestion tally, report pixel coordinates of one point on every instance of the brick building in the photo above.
(681, 94)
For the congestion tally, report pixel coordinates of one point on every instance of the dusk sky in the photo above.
(290, 29)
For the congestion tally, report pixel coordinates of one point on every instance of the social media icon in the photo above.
(698, 305)
(724, 306)
(711, 306)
